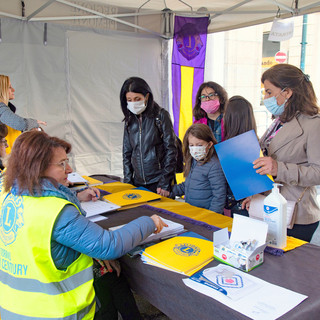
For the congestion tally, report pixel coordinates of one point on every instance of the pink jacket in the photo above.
(205, 121)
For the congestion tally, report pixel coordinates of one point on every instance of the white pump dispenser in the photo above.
(275, 214)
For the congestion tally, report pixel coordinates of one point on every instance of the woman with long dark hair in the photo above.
(149, 150)
(209, 107)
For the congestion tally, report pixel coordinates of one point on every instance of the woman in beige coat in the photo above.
(291, 145)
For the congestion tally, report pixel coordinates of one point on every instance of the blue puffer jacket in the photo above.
(205, 186)
(73, 233)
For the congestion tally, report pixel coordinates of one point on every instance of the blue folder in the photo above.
(236, 156)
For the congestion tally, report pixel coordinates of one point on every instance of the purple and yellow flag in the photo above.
(188, 62)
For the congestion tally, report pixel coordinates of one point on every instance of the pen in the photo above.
(200, 278)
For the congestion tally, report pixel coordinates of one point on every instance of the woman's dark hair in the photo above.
(198, 113)
(137, 85)
(3, 131)
(30, 157)
(202, 132)
(303, 98)
(238, 117)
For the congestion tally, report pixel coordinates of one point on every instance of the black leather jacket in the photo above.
(147, 156)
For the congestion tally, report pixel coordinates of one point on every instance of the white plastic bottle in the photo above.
(275, 214)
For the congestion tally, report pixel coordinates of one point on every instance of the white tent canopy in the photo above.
(155, 16)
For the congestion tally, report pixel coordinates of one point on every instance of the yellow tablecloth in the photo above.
(185, 209)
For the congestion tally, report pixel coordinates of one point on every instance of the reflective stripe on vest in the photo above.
(31, 287)
(51, 288)
(5, 314)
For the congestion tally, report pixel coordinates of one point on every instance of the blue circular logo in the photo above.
(11, 218)
(186, 249)
(131, 196)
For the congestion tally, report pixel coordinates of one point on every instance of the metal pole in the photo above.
(304, 42)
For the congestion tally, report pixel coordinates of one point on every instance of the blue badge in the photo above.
(11, 218)
(186, 249)
(131, 196)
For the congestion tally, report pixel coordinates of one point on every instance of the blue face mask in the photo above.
(272, 105)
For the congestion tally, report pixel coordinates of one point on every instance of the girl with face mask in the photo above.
(205, 183)
(291, 145)
(209, 107)
(149, 150)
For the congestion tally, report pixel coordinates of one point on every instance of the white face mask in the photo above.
(136, 107)
(198, 152)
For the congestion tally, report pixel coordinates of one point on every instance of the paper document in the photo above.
(251, 296)
(93, 208)
(172, 230)
(97, 218)
(75, 177)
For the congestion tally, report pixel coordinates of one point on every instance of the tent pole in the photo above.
(303, 42)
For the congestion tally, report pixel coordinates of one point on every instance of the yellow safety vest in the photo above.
(13, 134)
(31, 287)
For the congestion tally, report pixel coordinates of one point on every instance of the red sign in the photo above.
(281, 57)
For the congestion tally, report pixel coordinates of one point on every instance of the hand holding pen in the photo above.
(89, 194)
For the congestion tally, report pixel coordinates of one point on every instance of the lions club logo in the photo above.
(189, 42)
(131, 196)
(186, 249)
(11, 218)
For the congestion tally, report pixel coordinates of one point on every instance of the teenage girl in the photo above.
(238, 119)
(205, 183)
(209, 108)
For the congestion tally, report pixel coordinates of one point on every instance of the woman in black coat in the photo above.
(149, 151)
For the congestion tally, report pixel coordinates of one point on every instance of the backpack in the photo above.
(178, 143)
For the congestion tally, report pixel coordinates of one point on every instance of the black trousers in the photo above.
(303, 231)
(115, 296)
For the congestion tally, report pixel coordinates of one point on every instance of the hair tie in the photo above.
(307, 77)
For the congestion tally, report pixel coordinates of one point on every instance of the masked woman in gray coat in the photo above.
(291, 145)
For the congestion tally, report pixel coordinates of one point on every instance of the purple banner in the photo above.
(189, 49)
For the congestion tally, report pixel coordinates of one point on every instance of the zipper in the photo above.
(140, 140)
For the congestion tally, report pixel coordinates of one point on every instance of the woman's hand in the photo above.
(246, 203)
(43, 123)
(163, 193)
(89, 194)
(113, 265)
(158, 222)
(266, 165)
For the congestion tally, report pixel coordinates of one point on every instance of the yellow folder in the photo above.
(92, 182)
(184, 255)
(131, 197)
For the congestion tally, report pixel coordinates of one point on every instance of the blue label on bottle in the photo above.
(269, 209)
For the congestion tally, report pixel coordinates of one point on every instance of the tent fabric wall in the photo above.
(73, 83)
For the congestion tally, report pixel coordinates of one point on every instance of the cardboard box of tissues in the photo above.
(245, 248)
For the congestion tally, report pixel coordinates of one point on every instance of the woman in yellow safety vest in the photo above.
(15, 123)
(46, 243)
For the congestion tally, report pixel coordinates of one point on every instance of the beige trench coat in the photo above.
(296, 148)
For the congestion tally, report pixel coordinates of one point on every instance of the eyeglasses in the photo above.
(4, 142)
(63, 164)
(210, 96)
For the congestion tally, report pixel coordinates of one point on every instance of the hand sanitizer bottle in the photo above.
(275, 214)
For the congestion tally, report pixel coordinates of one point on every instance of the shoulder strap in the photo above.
(159, 123)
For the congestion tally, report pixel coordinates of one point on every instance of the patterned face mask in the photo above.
(198, 152)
